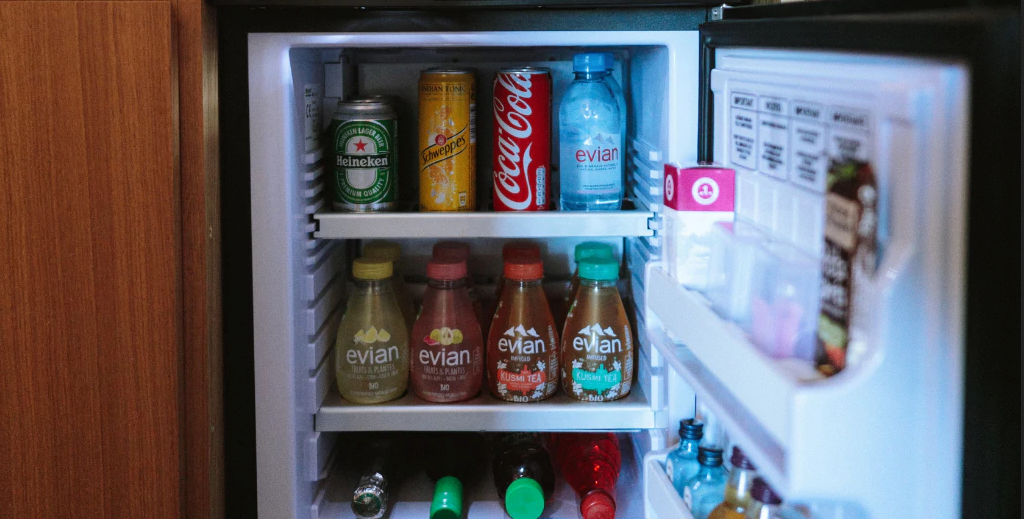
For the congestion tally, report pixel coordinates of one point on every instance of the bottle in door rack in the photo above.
(372, 348)
(522, 348)
(681, 464)
(705, 490)
(737, 489)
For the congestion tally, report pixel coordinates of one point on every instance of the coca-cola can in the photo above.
(522, 139)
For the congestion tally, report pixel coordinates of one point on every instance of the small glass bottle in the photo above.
(737, 490)
(764, 502)
(681, 464)
(705, 490)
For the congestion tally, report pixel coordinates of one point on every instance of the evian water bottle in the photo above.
(590, 133)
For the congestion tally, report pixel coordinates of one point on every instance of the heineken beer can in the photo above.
(364, 141)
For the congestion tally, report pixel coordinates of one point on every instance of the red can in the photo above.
(522, 139)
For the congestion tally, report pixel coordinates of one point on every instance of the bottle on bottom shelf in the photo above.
(382, 461)
(454, 462)
(705, 490)
(681, 464)
(523, 474)
(590, 464)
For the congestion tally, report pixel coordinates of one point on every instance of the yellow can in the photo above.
(447, 141)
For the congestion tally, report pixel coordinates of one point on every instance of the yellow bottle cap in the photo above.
(371, 268)
(385, 250)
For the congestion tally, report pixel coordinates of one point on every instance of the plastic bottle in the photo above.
(454, 462)
(522, 348)
(764, 502)
(737, 489)
(460, 251)
(391, 251)
(372, 348)
(590, 463)
(681, 464)
(523, 474)
(446, 349)
(705, 490)
(382, 461)
(590, 138)
(510, 251)
(597, 342)
(583, 251)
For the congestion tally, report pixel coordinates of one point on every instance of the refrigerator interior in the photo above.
(301, 261)
(835, 444)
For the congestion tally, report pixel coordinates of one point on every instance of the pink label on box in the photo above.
(702, 188)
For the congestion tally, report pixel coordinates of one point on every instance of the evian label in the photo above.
(600, 363)
(597, 163)
(522, 140)
(527, 364)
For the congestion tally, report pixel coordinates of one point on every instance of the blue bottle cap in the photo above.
(591, 62)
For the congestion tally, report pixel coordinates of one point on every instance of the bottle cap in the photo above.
(513, 250)
(590, 62)
(597, 505)
(451, 249)
(599, 269)
(447, 269)
(692, 429)
(369, 500)
(524, 269)
(524, 499)
(760, 491)
(447, 503)
(380, 249)
(593, 249)
(739, 460)
(709, 457)
(371, 268)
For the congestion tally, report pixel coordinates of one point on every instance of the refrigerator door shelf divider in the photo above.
(484, 224)
(660, 498)
(486, 413)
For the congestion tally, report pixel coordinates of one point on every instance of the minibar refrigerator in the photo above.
(926, 97)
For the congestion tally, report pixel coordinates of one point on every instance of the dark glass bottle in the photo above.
(454, 462)
(382, 460)
(523, 474)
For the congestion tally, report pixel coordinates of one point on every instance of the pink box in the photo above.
(695, 198)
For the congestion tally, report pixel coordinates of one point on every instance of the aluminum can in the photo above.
(364, 135)
(522, 139)
(447, 140)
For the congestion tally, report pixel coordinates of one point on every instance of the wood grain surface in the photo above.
(90, 285)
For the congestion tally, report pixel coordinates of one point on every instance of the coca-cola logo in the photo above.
(511, 117)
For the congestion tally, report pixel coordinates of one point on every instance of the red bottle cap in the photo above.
(739, 460)
(516, 249)
(524, 269)
(451, 250)
(446, 269)
(598, 505)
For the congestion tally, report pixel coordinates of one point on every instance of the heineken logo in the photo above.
(364, 171)
(381, 160)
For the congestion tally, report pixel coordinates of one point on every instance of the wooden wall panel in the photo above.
(90, 286)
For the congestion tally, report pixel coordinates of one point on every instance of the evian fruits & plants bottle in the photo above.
(446, 347)
(597, 344)
(372, 349)
(522, 348)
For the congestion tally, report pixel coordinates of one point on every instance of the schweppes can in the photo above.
(447, 140)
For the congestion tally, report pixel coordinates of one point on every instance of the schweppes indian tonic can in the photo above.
(365, 171)
(447, 140)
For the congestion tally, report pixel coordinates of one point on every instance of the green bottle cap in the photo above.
(447, 503)
(599, 269)
(593, 249)
(524, 499)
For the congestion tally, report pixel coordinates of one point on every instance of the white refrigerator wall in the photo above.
(298, 280)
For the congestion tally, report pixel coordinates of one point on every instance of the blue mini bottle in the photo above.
(704, 491)
(590, 138)
(681, 464)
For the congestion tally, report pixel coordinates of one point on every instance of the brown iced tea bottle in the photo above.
(597, 343)
(522, 347)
